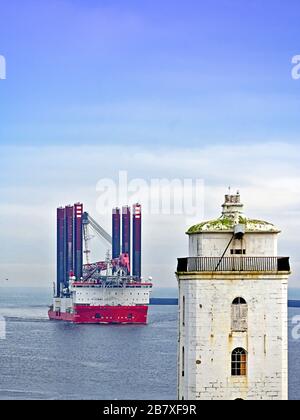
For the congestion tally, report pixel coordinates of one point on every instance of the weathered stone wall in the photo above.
(205, 333)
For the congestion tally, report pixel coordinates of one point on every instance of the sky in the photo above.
(172, 89)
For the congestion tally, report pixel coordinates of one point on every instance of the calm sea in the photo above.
(50, 360)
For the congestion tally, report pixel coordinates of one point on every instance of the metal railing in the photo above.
(233, 264)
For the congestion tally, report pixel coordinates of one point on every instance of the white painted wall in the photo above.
(208, 339)
(214, 244)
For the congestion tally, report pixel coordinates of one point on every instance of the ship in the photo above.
(110, 291)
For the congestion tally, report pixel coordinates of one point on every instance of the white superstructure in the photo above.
(96, 295)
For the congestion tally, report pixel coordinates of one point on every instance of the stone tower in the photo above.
(233, 318)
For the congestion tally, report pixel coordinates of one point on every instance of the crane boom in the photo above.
(88, 220)
(89, 223)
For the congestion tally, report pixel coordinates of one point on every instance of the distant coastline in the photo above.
(161, 296)
(294, 303)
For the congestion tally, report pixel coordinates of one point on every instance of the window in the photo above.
(183, 311)
(182, 373)
(239, 315)
(238, 252)
(239, 301)
(239, 362)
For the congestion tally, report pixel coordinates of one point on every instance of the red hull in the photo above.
(103, 315)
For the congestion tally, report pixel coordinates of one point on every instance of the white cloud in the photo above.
(36, 180)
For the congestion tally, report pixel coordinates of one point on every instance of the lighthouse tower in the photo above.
(233, 310)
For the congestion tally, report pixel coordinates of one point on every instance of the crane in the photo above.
(88, 222)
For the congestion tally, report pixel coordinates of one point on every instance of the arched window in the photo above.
(239, 301)
(239, 315)
(239, 362)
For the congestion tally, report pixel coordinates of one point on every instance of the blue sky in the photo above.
(199, 89)
(149, 72)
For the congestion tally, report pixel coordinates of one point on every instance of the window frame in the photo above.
(183, 311)
(239, 363)
(239, 315)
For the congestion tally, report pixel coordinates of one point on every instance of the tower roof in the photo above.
(232, 215)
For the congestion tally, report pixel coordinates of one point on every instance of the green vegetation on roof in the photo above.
(226, 223)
